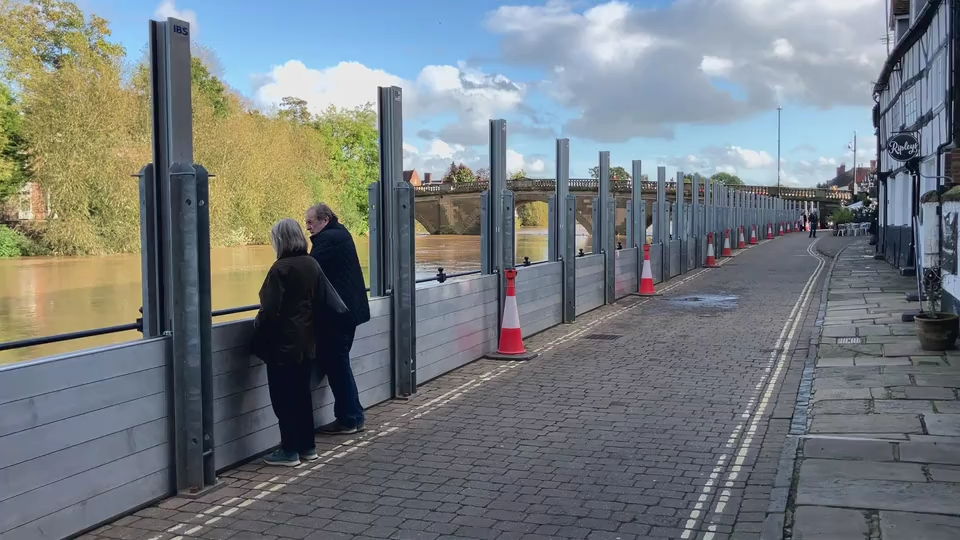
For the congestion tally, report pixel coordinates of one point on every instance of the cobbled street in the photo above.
(652, 418)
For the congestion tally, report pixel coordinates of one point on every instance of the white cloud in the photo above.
(472, 95)
(437, 156)
(628, 71)
(167, 8)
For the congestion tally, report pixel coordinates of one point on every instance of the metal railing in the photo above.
(443, 276)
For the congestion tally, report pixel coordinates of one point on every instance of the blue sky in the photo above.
(501, 59)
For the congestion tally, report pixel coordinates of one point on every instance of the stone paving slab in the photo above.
(629, 439)
(880, 449)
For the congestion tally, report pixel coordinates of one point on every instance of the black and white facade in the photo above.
(915, 93)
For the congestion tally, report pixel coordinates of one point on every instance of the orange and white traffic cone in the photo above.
(753, 235)
(769, 231)
(726, 251)
(781, 230)
(511, 338)
(740, 240)
(711, 258)
(646, 275)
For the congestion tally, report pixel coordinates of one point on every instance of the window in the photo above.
(25, 209)
(910, 105)
(901, 27)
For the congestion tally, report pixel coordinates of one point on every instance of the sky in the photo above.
(692, 85)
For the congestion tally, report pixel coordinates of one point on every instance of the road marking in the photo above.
(274, 484)
(770, 378)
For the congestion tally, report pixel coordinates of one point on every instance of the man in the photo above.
(814, 222)
(334, 249)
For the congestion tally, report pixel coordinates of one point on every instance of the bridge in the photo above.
(455, 208)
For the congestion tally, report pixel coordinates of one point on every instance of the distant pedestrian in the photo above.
(814, 219)
(334, 249)
(284, 339)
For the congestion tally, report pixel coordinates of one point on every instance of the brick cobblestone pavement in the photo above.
(671, 430)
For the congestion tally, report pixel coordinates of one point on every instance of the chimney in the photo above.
(873, 164)
(426, 179)
(841, 169)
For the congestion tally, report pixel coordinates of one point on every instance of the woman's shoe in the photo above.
(282, 458)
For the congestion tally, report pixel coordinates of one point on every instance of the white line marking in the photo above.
(771, 376)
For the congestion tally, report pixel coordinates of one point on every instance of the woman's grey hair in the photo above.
(287, 238)
(322, 211)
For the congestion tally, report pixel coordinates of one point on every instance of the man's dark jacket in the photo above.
(334, 249)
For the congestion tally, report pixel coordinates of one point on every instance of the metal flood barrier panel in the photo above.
(540, 297)
(691, 249)
(589, 283)
(627, 279)
(456, 324)
(656, 262)
(84, 436)
(244, 423)
(675, 254)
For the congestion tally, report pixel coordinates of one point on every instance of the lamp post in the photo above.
(779, 109)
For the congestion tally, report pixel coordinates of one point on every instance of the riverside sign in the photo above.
(903, 147)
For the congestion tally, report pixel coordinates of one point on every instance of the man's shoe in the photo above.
(336, 428)
(309, 455)
(282, 458)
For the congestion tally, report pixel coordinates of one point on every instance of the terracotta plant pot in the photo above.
(937, 331)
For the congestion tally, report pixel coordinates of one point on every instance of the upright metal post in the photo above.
(636, 205)
(375, 247)
(395, 241)
(596, 242)
(662, 231)
(508, 243)
(607, 236)
(570, 260)
(498, 190)
(681, 223)
(552, 237)
(561, 190)
(176, 292)
(486, 234)
(695, 218)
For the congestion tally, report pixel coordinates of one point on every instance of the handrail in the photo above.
(443, 276)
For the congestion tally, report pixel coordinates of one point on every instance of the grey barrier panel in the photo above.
(606, 211)
(404, 293)
(656, 262)
(390, 120)
(569, 262)
(675, 258)
(627, 271)
(509, 229)
(631, 226)
(84, 436)
(456, 324)
(244, 421)
(590, 289)
(553, 235)
(691, 254)
(486, 261)
(655, 223)
(540, 297)
(680, 219)
(638, 209)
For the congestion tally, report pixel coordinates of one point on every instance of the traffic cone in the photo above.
(769, 231)
(753, 235)
(711, 259)
(740, 241)
(781, 230)
(726, 251)
(511, 338)
(789, 230)
(646, 275)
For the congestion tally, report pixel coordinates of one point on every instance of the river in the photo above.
(40, 296)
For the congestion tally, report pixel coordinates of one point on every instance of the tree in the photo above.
(210, 88)
(294, 109)
(727, 179)
(12, 146)
(482, 174)
(459, 174)
(519, 175)
(616, 173)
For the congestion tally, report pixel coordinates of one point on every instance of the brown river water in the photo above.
(40, 296)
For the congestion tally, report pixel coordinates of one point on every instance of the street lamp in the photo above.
(779, 109)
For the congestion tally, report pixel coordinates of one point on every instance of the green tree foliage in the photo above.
(727, 179)
(616, 173)
(459, 174)
(77, 121)
(841, 216)
(519, 175)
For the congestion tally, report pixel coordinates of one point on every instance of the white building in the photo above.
(913, 95)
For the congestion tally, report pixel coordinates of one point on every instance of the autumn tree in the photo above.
(616, 173)
(518, 175)
(459, 174)
(727, 179)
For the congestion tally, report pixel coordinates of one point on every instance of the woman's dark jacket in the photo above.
(334, 249)
(284, 327)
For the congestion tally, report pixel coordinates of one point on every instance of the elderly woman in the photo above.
(284, 340)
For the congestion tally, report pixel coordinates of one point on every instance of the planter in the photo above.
(937, 331)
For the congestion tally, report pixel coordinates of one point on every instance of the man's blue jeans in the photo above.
(333, 355)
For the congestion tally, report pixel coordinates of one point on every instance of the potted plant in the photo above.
(936, 330)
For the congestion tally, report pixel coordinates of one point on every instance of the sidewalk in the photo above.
(879, 453)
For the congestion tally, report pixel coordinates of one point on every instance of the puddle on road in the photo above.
(705, 301)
